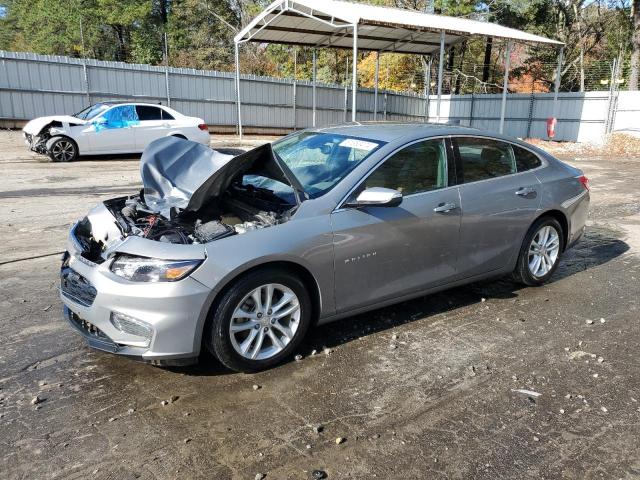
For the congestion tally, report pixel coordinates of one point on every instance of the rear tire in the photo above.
(540, 252)
(63, 149)
(259, 321)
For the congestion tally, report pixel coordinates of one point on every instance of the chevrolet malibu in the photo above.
(110, 128)
(242, 255)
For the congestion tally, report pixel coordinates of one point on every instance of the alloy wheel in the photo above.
(265, 321)
(63, 151)
(543, 251)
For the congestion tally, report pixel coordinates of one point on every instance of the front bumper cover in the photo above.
(91, 292)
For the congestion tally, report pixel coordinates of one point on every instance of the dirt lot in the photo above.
(424, 389)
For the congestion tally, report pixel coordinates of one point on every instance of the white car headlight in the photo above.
(142, 269)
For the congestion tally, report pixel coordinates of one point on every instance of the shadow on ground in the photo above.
(597, 247)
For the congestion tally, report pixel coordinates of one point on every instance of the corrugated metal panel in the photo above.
(36, 85)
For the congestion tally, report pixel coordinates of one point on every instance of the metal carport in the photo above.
(338, 24)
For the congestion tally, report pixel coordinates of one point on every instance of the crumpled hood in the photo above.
(180, 175)
(34, 126)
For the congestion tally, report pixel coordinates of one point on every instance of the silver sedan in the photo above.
(242, 255)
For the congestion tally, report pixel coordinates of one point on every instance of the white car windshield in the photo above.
(91, 112)
(321, 160)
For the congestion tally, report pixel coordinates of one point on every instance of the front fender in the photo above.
(307, 243)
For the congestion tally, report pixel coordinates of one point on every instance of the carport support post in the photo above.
(505, 84)
(354, 93)
(346, 92)
(237, 57)
(375, 90)
(166, 69)
(313, 73)
(295, 93)
(556, 85)
(440, 68)
(427, 88)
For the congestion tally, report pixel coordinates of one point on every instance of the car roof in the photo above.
(391, 131)
(123, 102)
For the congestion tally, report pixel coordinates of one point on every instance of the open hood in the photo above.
(180, 175)
(34, 126)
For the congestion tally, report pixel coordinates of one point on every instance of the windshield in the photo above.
(320, 160)
(91, 112)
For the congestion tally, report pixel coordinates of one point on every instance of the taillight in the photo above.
(204, 127)
(584, 181)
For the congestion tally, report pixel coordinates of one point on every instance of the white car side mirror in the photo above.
(378, 197)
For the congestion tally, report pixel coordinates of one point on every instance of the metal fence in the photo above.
(36, 85)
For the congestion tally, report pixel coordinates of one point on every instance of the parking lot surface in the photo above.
(488, 381)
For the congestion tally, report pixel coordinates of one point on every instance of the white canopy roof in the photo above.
(327, 23)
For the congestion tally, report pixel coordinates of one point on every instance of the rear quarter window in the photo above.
(525, 159)
(146, 112)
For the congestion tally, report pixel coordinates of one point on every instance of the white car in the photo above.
(109, 128)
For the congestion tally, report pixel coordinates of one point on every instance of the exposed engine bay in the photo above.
(239, 212)
(191, 195)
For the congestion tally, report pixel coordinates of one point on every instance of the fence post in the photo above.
(607, 121)
(84, 64)
(385, 105)
(531, 100)
(86, 80)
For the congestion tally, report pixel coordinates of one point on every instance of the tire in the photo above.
(63, 149)
(238, 303)
(180, 136)
(533, 267)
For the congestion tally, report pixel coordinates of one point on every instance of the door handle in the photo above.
(526, 192)
(445, 207)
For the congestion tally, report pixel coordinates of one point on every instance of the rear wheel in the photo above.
(259, 321)
(63, 149)
(540, 252)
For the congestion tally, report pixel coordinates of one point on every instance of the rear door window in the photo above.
(146, 112)
(484, 158)
(166, 115)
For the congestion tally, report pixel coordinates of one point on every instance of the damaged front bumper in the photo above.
(158, 323)
(35, 143)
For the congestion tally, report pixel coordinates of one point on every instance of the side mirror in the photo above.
(377, 197)
(100, 121)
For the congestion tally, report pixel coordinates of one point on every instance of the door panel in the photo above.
(382, 253)
(498, 206)
(117, 134)
(151, 125)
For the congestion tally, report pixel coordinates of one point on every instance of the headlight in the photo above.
(141, 269)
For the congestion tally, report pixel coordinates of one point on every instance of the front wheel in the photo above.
(63, 150)
(259, 321)
(540, 252)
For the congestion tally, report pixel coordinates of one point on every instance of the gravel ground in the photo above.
(487, 381)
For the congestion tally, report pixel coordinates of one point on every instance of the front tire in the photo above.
(63, 149)
(540, 252)
(259, 321)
